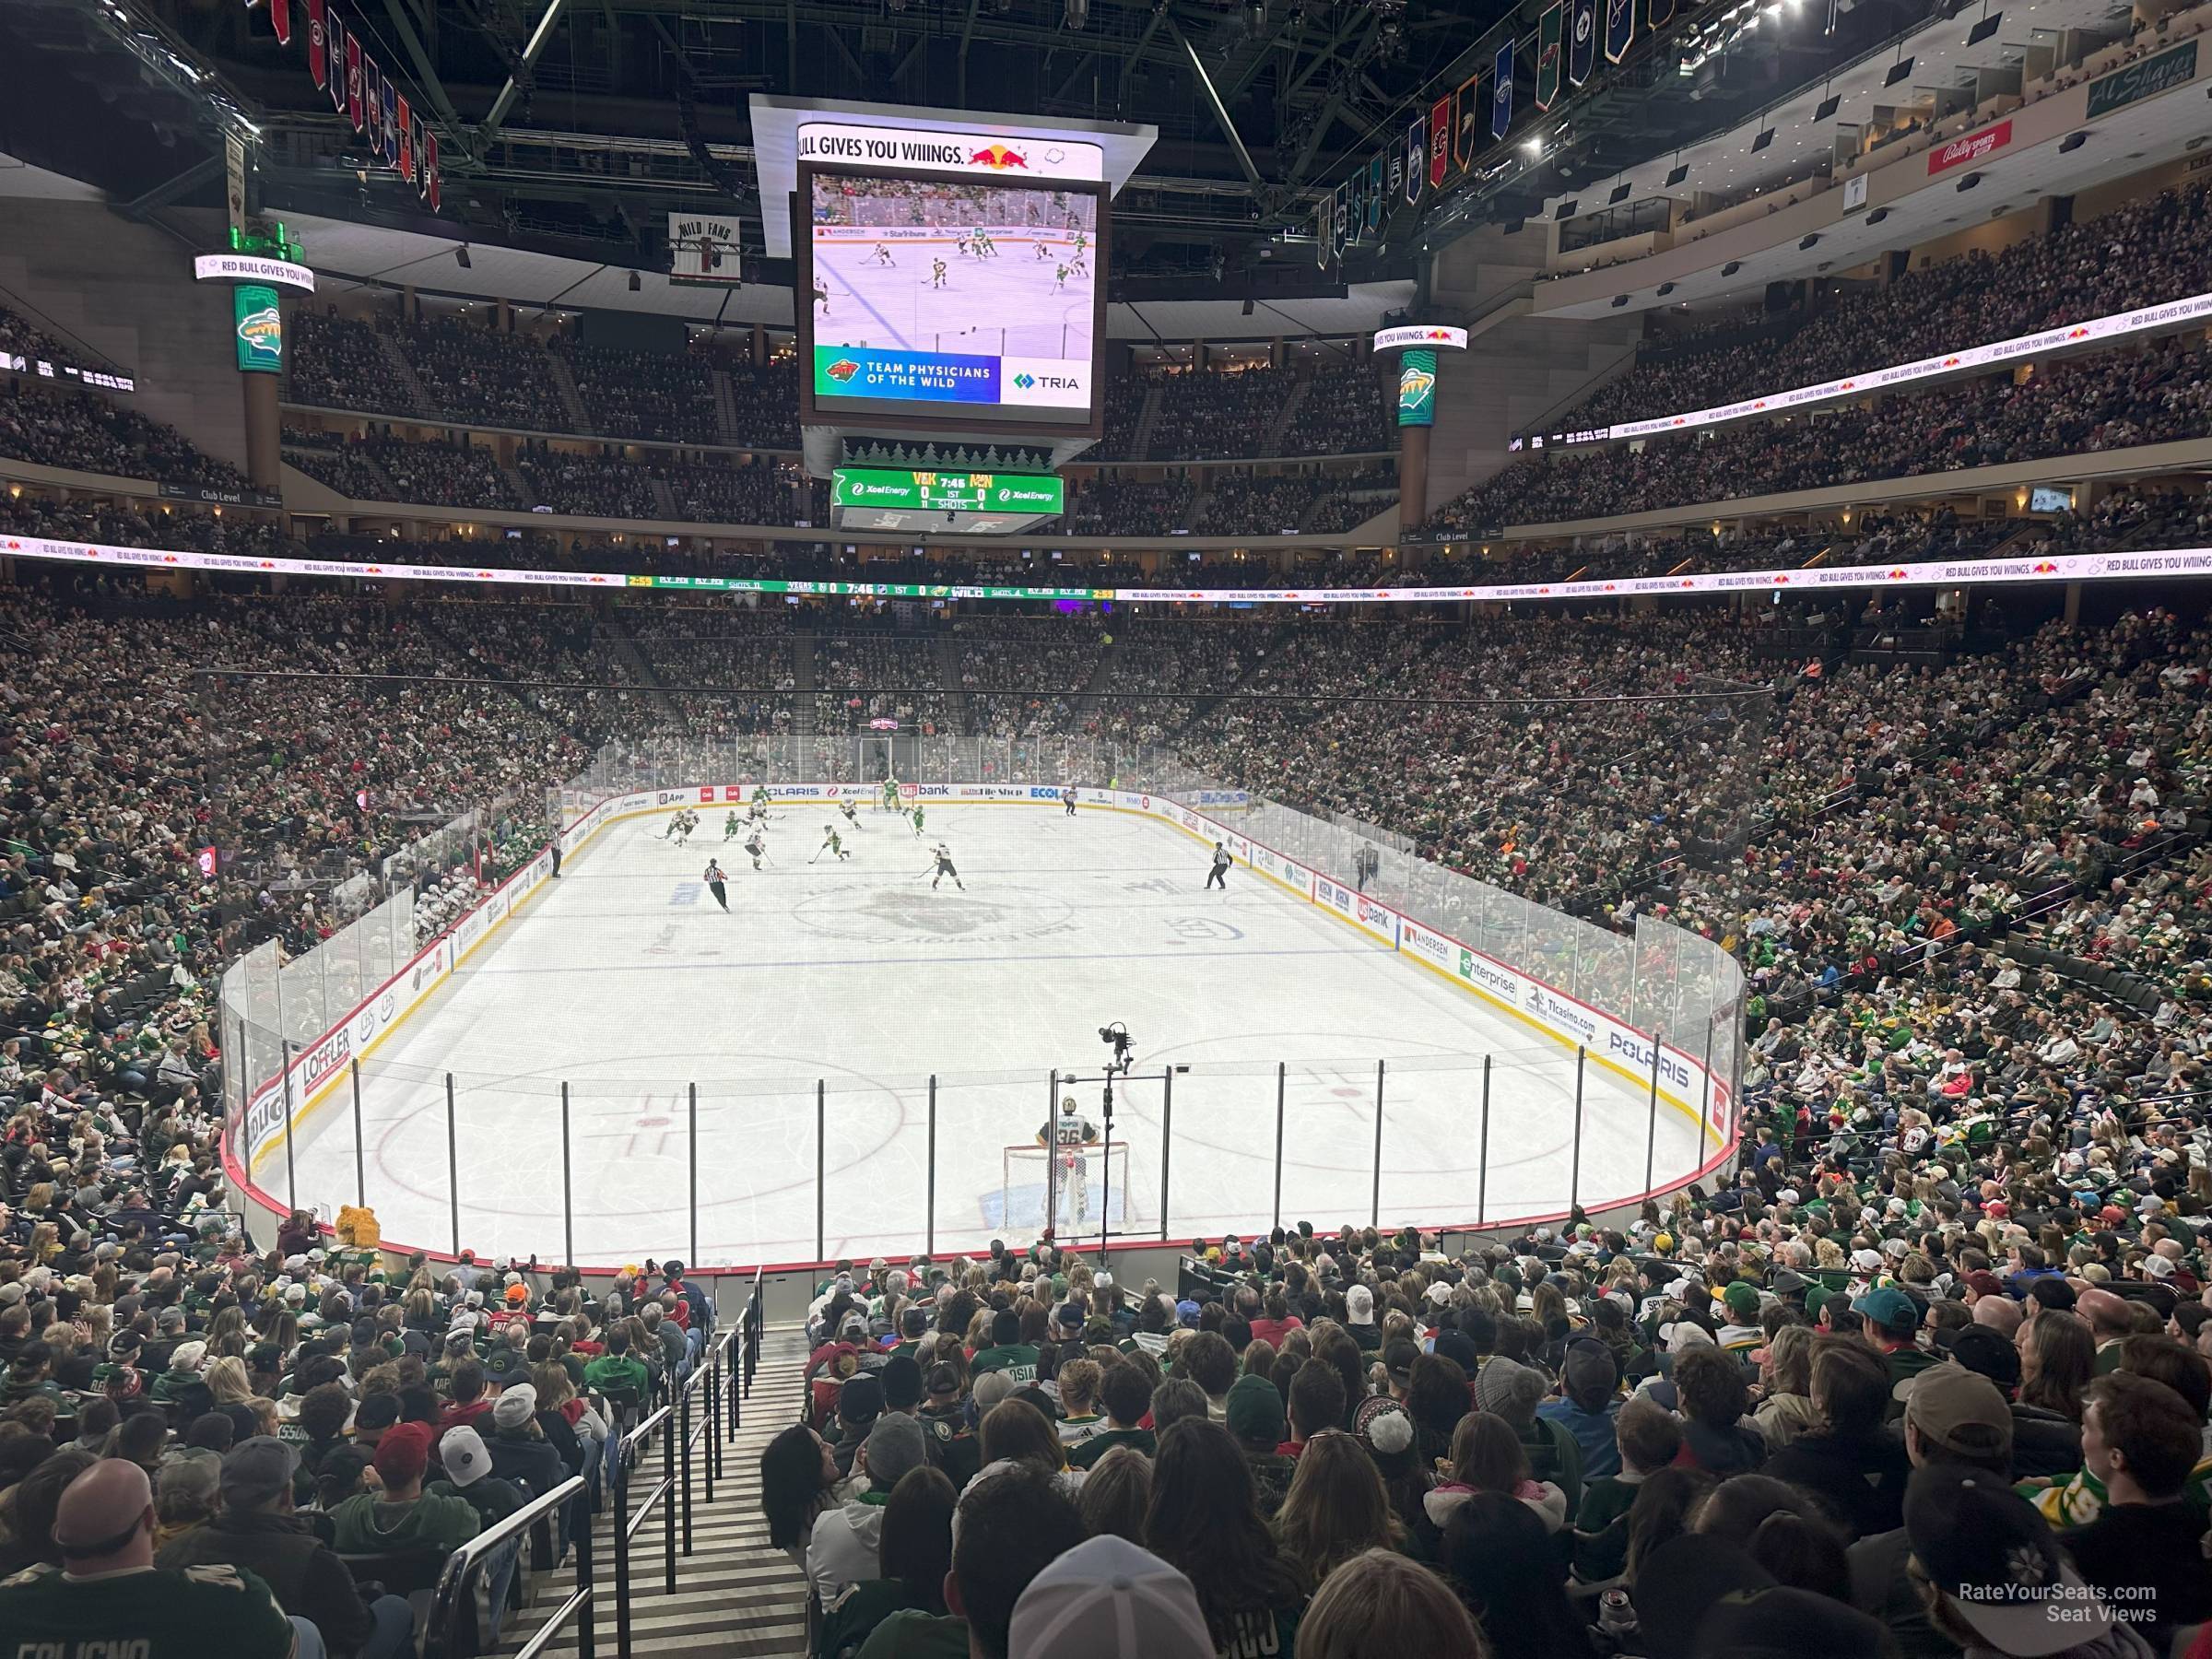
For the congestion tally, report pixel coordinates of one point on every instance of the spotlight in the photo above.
(460, 256)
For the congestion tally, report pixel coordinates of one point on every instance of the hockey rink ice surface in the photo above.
(624, 980)
(896, 306)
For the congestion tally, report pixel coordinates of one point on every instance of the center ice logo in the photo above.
(843, 370)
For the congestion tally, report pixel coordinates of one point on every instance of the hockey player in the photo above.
(882, 256)
(684, 822)
(1059, 278)
(1043, 249)
(849, 812)
(821, 295)
(1067, 799)
(757, 844)
(1066, 1138)
(1075, 264)
(756, 812)
(714, 879)
(729, 826)
(917, 820)
(890, 794)
(936, 274)
(761, 798)
(1218, 876)
(941, 861)
(831, 842)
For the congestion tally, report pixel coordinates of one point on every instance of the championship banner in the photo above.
(1397, 173)
(1356, 216)
(431, 170)
(280, 19)
(353, 80)
(1343, 224)
(1620, 28)
(333, 34)
(1439, 140)
(1374, 195)
(1322, 242)
(389, 94)
(316, 41)
(1659, 14)
(1414, 161)
(406, 142)
(1502, 92)
(373, 101)
(1581, 44)
(1467, 139)
(1549, 30)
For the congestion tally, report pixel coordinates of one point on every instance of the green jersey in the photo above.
(917, 820)
(215, 1612)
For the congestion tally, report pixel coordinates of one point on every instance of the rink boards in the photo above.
(317, 1071)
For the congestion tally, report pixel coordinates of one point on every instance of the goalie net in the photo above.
(1031, 1172)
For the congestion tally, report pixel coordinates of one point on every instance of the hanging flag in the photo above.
(280, 18)
(437, 177)
(372, 102)
(1374, 195)
(1323, 242)
(406, 141)
(1501, 92)
(1620, 28)
(422, 165)
(353, 81)
(1397, 176)
(1416, 161)
(315, 65)
(1660, 13)
(391, 148)
(1356, 212)
(1548, 29)
(1466, 140)
(335, 50)
(1582, 42)
(1344, 217)
(1439, 140)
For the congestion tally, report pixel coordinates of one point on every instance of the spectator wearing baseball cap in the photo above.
(859, 1404)
(108, 1596)
(1255, 1420)
(1107, 1598)
(257, 1531)
(1590, 1400)
(520, 1452)
(401, 1516)
(847, 1542)
(1998, 1583)
(1891, 1321)
(1952, 1415)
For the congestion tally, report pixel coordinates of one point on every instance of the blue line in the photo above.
(1363, 949)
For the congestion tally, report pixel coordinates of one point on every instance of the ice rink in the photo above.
(624, 981)
(1006, 305)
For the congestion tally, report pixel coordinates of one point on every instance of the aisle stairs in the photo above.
(736, 1596)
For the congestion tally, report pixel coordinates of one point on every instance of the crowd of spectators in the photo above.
(2116, 400)
(644, 394)
(863, 678)
(337, 363)
(87, 432)
(2141, 253)
(1108, 505)
(595, 486)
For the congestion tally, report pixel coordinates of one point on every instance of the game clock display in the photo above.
(952, 299)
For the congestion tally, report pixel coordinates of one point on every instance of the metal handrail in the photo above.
(454, 1575)
(627, 1524)
(691, 1426)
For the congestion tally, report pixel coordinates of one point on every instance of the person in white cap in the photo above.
(1109, 1599)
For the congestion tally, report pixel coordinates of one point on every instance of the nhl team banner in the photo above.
(1323, 238)
(1468, 138)
(360, 91)
(1374, 195)
(1620, 28)
(1502, 92)
(1659, 14)
(1397, 173)
(2174, 562)
(1416, 161)
(1581, 45)
(1548, 29)
(1439, 140)
(1344, 216)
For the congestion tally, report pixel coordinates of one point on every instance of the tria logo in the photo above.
(1025, 380)
(843, 370)
(998, 156)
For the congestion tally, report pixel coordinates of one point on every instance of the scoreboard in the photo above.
(879, 498)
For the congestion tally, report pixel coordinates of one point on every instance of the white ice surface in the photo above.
(625, 981)
(1002, 306)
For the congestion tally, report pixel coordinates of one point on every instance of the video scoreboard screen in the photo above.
(950, 280)
(947, 491)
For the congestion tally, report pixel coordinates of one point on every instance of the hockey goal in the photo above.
(1031, 1172)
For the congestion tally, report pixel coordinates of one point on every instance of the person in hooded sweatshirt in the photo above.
(401, 1516)
(846, 1546)
(1488, 1456)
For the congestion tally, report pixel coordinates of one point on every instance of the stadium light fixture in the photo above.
(460, 256)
